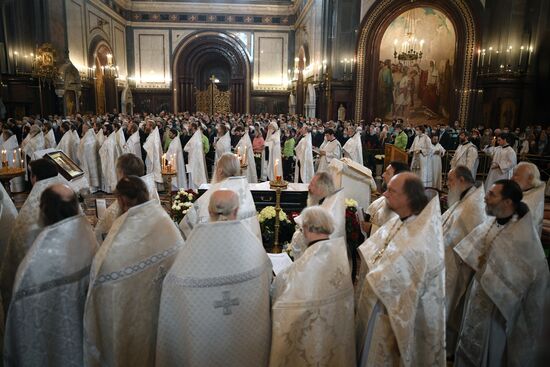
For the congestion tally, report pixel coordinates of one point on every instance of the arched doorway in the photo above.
(463, 19)
(105, 74)
(203, 54)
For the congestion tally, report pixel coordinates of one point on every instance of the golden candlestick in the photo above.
(278, 185)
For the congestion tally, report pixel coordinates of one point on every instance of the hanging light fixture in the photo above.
(411, 47)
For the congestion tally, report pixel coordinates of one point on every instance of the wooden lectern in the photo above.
(393, 153)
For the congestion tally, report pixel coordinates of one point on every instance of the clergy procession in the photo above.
(450, 270)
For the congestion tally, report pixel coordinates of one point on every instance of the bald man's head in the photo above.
(57, 202)
(223, 205)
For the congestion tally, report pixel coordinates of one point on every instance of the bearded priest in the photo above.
(507, 287)
(401, 292)
(304, 169)
(121, 314)
(466, 211)
(226, 176)
(215, 300)
(244, 149)
(51, 285)
(313, 305)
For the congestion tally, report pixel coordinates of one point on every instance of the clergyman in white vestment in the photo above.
(466, 154)
(437, 168)
(226, 177)
(466, 211)
(245, 145)
(121, 314)
(401, 291)
(353, 148)
(215, 308)
(272, 148)
(422, 150)
(304, 169)
(222, 144)
(322, 192)
(8, 213)
(26, 228)
(313, 304)
(330, 149)
(527, 176)
(504, 159)
(153, 148)
(44, 323)
(127, 165)
(68, 144)
(133, 144)
(174, 154)
(109, 153)
(504, 301)
(49, 137)
(88, 156)
(196, 162)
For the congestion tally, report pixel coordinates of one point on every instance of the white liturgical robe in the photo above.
(437, 178)
(333, 150)
(30, 146)
(401, 292)
(175, 151)
(504, 159)
(304, 169)
(121, 314)
(245, 145)
(313, 309)
(88, 156)
(458, 221)
(8, 213)
(109, 153)
(221, 146)
(466, 155)
(356, 180)
(273, 143)
(26, 228)
(196, 163)
(69, 146)
(333, 204)
(421, 164)
(504, 303)
(133, 145)
(44, 323)
(353, 148)
(380, 213)
(153, 147)
(49, 140)
(100, 137)
(215, 300)
(534, 198)
(198, 213)
(105, 223)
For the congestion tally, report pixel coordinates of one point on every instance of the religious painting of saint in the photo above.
(415, 75)
(66, 166)
(508, 111)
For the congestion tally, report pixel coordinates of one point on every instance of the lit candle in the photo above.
(529, 56)
(478, 57)
(275, 168)
(490, 56)
(244, 155)
(14, 156)
(520, 55)
(483, 58)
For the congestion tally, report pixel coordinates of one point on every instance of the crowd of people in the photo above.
(466, 285)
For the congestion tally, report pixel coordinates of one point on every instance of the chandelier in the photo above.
(411, 47)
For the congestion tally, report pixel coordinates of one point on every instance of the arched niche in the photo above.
(199, 54)
(100, 57)
(464, 16)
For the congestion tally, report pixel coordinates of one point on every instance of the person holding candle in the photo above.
(175, 157)
(10, 147)
(272, 153)
(247, 155)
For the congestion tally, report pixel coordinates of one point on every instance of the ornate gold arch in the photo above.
(460, 12)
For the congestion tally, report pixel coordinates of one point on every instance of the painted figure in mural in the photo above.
(430, 97)
(403, 100)
(385, 88)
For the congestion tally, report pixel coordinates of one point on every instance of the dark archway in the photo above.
(205, 53)
(100, 57)
(464, 14)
